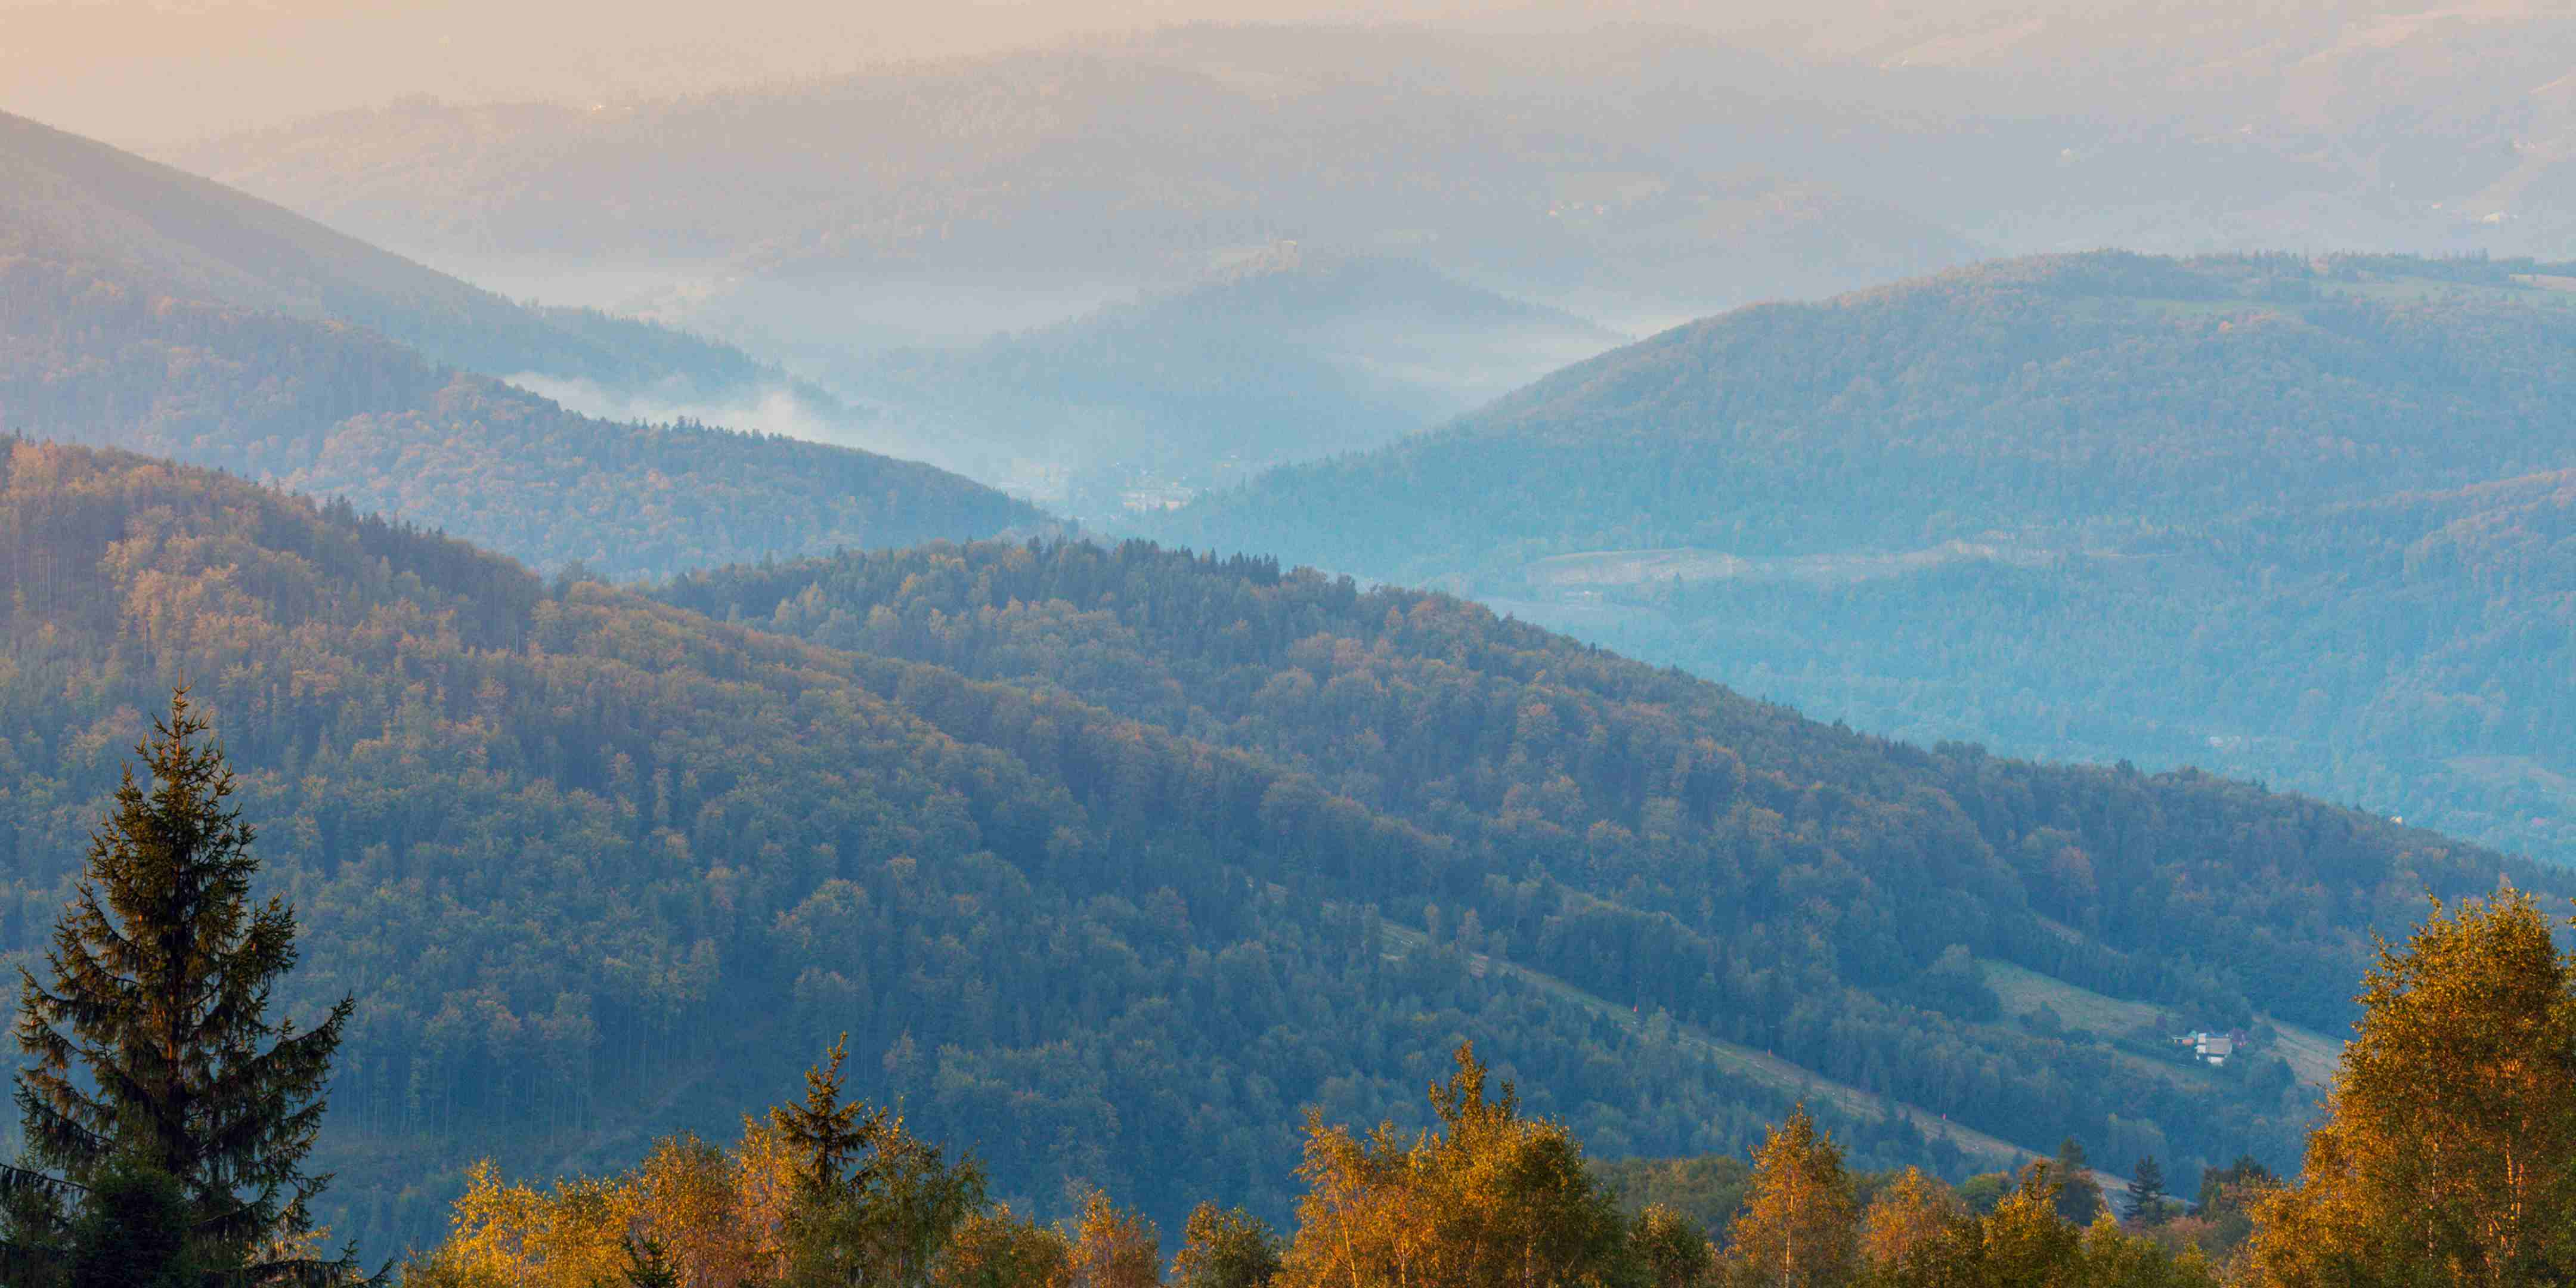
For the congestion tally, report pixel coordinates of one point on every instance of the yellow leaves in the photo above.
(2448, 1151)
(1906, 1217)
(1492, 1199)
(1797, 1229)
(509, 1233)
(1114, 1247)
(718, 1216)
(997, 1249)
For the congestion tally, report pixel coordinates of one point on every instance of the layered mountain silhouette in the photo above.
(2106, 505)
(1288, 354)
(1106, 855)
(146, 309)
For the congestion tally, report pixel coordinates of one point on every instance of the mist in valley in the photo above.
(1877, 607)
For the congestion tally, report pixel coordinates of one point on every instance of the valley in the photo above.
(1821, 647)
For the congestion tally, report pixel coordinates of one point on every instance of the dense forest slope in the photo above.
(2410, 653)
(1286, 354)
(2092, 396)
(92, 355)
(1108, 856)
(2257, 513)
(66, 197)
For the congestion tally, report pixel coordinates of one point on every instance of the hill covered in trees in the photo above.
(64, 197)
(91, 354)
(1133, 852)
(2300, 520)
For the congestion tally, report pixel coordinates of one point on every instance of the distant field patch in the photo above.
(2024, 991)
(1695, 564)
(2311, 1055)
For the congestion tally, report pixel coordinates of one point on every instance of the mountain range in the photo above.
(1107, 860)
(145, 309)
(1045, 174)
(2299, 519)
(1636, 173)
(619, 764)
(1286, 354)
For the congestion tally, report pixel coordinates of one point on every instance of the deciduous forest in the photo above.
(602, 864)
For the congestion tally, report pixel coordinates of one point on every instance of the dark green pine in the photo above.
(152, 1048)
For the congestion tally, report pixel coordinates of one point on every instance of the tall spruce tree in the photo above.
(152, 1047)
(2079, 1196)
(2147, 1199)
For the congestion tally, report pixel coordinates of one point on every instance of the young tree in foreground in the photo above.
(2448, 1150)
(1114, 1247)
(1489, 1198)
(2079, 1196)
(1671, 1251)
(875, 1204)
(999, 1249)
(1225, 1249)
(1906, 1217)
(1798, 1227)
(153, 1051)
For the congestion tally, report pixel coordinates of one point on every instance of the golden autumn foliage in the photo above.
(1488, 1198)
(718, 1216)
(828, 1193)
(1114, 1247)
(1906, 1217)
(998, 1248)
(2448, 1151)
(1797, 1231)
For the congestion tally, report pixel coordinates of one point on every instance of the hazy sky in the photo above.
(146, 71)
(142, 70)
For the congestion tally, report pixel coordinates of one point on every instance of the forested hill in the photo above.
(2256, 514)
(66, 197)
(2072, 398)
(1646, 837)
(89, 353)
(1634, 783)
(1108, 861)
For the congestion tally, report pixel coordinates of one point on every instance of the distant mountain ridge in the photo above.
(2097, 392)
(1634, 172)
(1290, 353)
(1135, 160)
(2242, 512)
(67, 198)
(86, 356)
(145, 309)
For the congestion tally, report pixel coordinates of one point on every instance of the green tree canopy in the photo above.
(152, 1046)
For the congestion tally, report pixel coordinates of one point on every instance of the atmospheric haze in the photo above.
(146, 72)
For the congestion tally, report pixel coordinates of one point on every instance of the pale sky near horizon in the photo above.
(141, 72)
